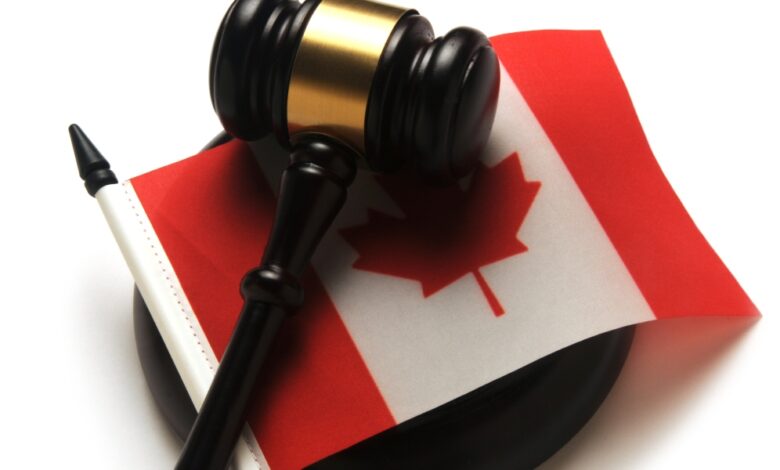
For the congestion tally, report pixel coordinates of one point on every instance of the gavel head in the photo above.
(371, 76)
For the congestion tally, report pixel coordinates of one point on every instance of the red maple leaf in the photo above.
(447, 232)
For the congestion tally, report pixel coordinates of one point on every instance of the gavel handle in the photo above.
(314, 188)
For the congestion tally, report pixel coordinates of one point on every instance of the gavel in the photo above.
(342, 84)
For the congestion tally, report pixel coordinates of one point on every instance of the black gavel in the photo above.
(342, 84)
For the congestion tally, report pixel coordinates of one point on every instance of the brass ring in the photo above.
(334, 68)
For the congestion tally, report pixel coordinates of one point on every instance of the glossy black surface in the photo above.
(433, 100)
(221, 417)
(94, 169)
(388, 146)
(515, 422)
(314, 188)
(251, 63)
(454, 108)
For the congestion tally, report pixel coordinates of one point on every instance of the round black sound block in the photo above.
(515, 422)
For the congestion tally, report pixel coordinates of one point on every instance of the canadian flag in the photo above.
(417, 296)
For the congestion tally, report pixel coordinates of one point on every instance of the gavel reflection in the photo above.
(342, 84)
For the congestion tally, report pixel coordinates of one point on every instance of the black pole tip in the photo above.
(94, 169)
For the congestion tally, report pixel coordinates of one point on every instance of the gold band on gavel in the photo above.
(334, 68)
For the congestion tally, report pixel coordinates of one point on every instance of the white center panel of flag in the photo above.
(423, 352)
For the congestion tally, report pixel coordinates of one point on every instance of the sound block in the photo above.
(515, 422)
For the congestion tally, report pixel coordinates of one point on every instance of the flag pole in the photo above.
(153, 275)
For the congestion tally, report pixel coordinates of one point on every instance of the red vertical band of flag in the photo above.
(571, 83)
(212, 215)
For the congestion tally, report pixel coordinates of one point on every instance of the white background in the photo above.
(703, 76)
